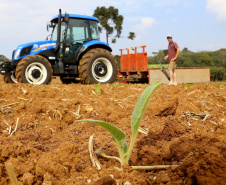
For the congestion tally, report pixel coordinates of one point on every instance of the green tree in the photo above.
(218, 73)
(185, 61)
(203, 60)
(222, 58)
(185, 49)
(160, 57)
(117, 57)
(216, 61)
(131, 35)
(3, 58)
(111, 21)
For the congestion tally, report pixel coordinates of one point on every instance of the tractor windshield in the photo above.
(78, 30)
(55, 29)
(94, 30)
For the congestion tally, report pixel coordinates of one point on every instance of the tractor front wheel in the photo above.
(34, 69)
(10, 79)
(98, 66)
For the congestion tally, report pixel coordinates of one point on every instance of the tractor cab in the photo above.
(74, 33)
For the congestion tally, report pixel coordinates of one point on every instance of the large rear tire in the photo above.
(34, 69)
(98, 66)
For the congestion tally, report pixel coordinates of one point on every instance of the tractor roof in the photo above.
(75, 16)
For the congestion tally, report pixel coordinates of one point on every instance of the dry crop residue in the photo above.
(39, 134)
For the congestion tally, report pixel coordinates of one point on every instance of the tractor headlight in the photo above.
(16, 55)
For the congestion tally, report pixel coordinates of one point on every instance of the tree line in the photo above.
(3, 58)
(215, 60)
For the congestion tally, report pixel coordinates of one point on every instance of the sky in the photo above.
(199, 25)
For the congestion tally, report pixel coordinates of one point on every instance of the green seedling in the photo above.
(97, 88)
(188, 85)
(116, 85)
(118, 135)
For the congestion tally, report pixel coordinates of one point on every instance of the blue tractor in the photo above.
(73, 52)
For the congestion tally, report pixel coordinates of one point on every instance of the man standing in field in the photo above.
(173, 52)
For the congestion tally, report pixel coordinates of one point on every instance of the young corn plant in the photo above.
(97, 88)
(116, 85)
(188, 85)
(118, 135)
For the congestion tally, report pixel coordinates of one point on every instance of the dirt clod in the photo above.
(50, 147)
(106, 180)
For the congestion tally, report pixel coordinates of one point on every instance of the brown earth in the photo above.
(187, 127)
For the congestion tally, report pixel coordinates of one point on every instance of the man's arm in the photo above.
(166, 57)
(177, 54)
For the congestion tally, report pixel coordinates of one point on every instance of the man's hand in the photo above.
(166, 57)
(178, 51)
(174, 59)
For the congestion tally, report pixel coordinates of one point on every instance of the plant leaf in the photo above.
(138, 112)
(100, 152)
(124, 144)
(141, 105)
(118, 135)
(97, 88)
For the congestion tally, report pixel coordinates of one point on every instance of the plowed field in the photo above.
(41, 138)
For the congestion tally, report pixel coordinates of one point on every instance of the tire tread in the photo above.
(20, 76)
(84, 65)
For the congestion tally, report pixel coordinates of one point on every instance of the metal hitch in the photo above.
(6, 68)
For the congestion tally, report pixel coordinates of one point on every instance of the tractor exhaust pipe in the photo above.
(58, 33)
(165, 73)
(58, 68)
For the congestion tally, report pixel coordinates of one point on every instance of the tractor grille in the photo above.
(25, 51)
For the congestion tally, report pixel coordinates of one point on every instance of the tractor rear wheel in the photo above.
(34, 69)
(98, 66)
(10, 79)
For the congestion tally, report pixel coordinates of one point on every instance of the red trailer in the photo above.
(133, 65)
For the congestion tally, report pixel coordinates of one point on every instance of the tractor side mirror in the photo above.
(66, 17)
(47, 27)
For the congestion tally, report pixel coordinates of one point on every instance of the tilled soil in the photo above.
(186, 124)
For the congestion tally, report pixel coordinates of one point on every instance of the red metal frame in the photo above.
(133, 62)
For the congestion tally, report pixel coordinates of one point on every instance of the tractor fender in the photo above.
(90, 45)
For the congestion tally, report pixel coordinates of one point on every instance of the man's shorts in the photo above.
(172, 65)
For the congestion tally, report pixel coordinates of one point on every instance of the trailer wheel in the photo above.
(10, 79)
(98, 66)
(34, 69)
